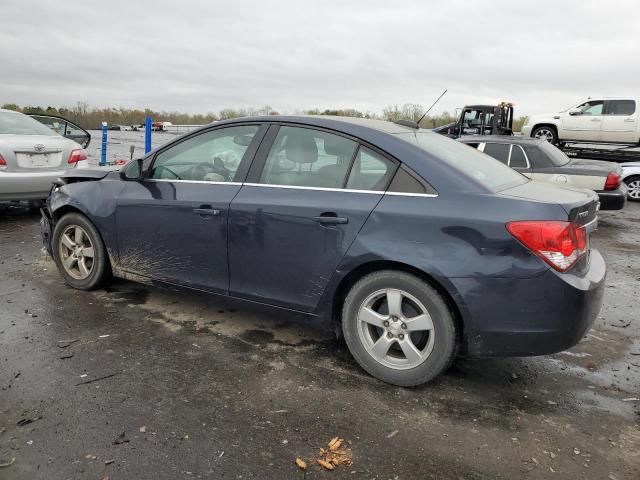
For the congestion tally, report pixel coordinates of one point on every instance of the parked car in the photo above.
(32, 157)
(631, 176)
(596, 120)
(417, 247)
(541, 161)
(64, 127)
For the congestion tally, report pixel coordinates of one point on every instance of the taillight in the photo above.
(77, 155)
(3, 163)
(613, 181)
(560, 244)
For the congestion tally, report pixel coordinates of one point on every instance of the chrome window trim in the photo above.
(407, 194)
(191, 181)
(324, 189)
(297, 187)
(526, 157)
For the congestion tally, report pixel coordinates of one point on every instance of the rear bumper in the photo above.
(27, 185)
(614, 200)
(533, 316)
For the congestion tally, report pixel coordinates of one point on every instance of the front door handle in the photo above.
(331, 218)
(206, 211)
(630, 120)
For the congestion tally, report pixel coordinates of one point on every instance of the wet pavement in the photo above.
(203, 387)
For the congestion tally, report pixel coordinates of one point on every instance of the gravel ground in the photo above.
(133, 382)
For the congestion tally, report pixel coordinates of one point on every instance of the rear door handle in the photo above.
(205, 211)
(630, 120)
(331, 218)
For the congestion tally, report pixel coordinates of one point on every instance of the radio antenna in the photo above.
(433, 105)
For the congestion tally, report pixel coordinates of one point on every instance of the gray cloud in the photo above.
(205, 56)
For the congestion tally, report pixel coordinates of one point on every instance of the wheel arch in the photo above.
(553, 126)
(65, 209)
(364, 269)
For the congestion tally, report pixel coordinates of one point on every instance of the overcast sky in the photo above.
(200, 57)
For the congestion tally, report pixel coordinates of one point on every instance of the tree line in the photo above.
(92, 118)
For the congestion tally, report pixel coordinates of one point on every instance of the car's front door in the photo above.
(308, 194)
(583, 122)
(172, 225)
(620, 121)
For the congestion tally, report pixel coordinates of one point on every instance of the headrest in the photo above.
(301, 148)
(337, 146)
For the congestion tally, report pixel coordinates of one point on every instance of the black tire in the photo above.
(100, 269)
(444, 327)
(633, 179)
(550, 133)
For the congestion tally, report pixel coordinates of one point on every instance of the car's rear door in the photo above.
(308, 194)
(619, 122)
(172, 225)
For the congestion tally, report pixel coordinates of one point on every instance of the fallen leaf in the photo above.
(335, 446)
(325, 464)
(333, 440)
(301, 463)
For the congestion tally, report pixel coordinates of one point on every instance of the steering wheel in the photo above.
(162, 167)
(200, 170)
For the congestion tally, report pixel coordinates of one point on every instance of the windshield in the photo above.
(14, 123)
(557, 156)
(484, 169)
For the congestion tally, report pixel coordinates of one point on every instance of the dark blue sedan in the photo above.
(413, 246)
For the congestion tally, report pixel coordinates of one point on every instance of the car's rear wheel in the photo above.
(633, 186)
(545, 133)
(398, 328)
(79, 252)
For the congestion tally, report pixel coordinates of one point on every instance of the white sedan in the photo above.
(631, 176)
(32, 156)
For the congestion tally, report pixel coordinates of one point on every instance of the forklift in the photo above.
(481, 120)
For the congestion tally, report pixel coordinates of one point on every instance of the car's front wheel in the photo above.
(545, 133)
(633, 187)
(79, 252)
(398, 328)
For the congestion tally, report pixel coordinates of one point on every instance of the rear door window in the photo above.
(620, 107)
(370, 171)
(305, 157)
(499, 151)
(518, 159)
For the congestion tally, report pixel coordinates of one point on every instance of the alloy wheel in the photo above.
(76, 252)
(545, 134)
(395, 329)
(634, 189)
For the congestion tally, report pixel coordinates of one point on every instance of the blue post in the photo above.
(147, 134)
(103, 153)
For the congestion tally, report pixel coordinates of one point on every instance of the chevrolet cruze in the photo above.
(415, 247)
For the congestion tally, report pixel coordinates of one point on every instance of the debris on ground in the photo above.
(122, 438)
(26, 421)
(301, 463)
(66, 343)
(66, 355)
(334, 455)
(97, 378)
(142, 429)
(109, 462)
(631, 399)
(7, 462)
(393, 434)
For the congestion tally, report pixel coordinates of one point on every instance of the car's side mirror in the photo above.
(132, 170)
(575, 112)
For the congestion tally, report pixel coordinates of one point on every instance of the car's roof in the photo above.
(516, 139)
(329, 121)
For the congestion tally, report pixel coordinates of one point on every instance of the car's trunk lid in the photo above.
(35, 152)
(580, 204)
